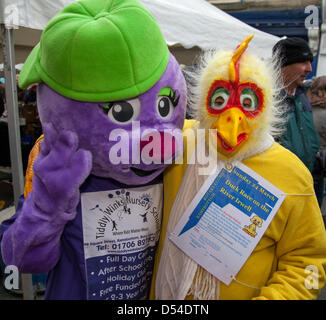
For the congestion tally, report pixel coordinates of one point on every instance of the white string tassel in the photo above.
(205, 286)
(244, 284)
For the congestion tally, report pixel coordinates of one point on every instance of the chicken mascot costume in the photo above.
(109, 96)
(219, 251)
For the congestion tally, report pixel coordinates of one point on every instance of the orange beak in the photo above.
(230, 130)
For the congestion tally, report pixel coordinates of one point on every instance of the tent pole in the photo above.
(12, 108)
(14, 132)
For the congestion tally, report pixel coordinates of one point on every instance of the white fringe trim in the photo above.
(205, 286)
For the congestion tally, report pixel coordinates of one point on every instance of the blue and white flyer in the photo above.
(121, 229)
(226, 219)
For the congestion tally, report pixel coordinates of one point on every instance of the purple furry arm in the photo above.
(32, 242)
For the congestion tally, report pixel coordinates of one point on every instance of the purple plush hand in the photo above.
(59, 170)
(32, 242)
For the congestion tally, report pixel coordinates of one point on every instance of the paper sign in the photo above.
(226, 220)
(121, 229)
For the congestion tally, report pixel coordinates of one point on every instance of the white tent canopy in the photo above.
(198, 23)
(186, 22)
(18, 66)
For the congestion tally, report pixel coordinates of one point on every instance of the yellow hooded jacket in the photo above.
(294, 245)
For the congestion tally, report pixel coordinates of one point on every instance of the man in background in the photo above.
(300, 135)
(317, 97)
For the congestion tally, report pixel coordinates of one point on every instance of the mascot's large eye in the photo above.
(166, 102)
(219, 99)
(248, 100)
(122, 112)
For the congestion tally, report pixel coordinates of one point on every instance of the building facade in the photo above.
(292, 18)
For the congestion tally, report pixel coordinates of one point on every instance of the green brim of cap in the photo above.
(28, 74)
(32, 72)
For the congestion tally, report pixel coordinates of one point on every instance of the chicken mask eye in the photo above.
(166, 102)
(122, 112)
(249, 100)
(219, 98)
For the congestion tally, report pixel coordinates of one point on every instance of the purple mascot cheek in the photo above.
(122, 151)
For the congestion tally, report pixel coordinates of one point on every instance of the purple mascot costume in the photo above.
(110, 97)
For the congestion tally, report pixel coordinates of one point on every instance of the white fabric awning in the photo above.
(188, 23)
(17, 66)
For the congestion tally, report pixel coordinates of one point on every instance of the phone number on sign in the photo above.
(126, 244)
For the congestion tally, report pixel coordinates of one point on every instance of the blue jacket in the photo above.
(300, 135)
